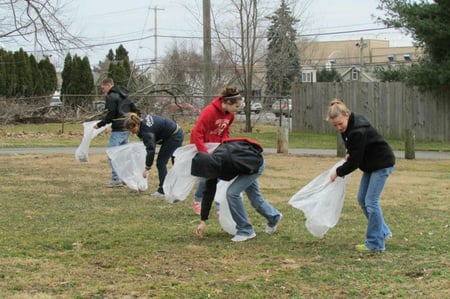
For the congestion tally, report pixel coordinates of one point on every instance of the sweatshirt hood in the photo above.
(359, 121)
(122, 91)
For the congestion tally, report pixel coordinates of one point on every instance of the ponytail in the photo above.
(337, 108)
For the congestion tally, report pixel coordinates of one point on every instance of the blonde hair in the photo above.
(131, 120)
(337, 108)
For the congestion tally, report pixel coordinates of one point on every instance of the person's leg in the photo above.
(164, 154)
(197, 202)
(236, 204)
(117, 138)
(259, 203)
(377, 229)
(199, 191)
(362, 191)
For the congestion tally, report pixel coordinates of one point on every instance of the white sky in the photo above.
(107, 24)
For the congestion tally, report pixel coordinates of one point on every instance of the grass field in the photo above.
(70, 135)
(64, 235)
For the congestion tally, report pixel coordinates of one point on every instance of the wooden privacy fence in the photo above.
(392, 107)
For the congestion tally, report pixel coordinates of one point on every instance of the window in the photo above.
(355, 74)
(309, 76)
(306, 77)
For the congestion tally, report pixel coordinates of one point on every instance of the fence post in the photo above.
(283, 140)
(410, 152)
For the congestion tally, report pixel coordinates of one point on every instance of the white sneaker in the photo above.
(239, 238)
(158, 194)
(114, 183)
(271, 229)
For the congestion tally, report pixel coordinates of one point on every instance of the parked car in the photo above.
(255, 107)
(282, 106)
(99, 106)
(56, 101)
(167, 106)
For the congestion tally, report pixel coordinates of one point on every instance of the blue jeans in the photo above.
(370, 189)
(117, 138)
(249, 184)
(165, 153)
(199, 191)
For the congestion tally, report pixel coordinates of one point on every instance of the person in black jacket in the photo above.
(153, 130)
(368, 151)
(117, 105)
(241, 158)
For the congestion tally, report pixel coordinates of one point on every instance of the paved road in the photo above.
(295, 151)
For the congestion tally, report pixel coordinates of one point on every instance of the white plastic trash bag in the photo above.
(81, 154)
(128, 161)
(225, 218)
(179, 181)
(321, 201)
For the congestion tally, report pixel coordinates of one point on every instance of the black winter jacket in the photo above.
(117, 105)
(233, 157)
(366, 148)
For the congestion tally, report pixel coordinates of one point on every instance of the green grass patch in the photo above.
(64, 235)
(71, 134)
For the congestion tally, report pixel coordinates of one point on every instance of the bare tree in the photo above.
(242, 42)
(36, 21)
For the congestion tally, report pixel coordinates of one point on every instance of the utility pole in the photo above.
(361, 46)
(206, 51)
(155, 9)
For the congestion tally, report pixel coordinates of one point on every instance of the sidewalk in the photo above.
(295, 151)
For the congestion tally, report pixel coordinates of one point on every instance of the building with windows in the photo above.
(353, 59)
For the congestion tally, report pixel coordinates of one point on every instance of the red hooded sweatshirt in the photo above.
(213, 125)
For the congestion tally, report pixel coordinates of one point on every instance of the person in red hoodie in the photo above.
(213, 125)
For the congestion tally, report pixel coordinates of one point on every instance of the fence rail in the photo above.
(393, 108)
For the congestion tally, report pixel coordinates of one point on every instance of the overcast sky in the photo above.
(106, 24)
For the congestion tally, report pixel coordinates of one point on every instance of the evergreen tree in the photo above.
(282, 62)
(3, 70)
(331, 75)
(49, 77)
(119, 69)
(78, 81)
(87, 79)
(66, 76)
(110, 55)
(38, 84)
(10, 75)
(24, 79)
(429, 24)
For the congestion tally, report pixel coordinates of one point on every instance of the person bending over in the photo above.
(241, 158)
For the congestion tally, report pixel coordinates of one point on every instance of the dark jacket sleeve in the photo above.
(149, 141)
(112, 106)
(355, 149)
(208, 197)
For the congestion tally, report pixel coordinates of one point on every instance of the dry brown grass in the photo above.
(64, 235)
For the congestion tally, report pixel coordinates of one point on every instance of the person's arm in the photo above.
(112, 104)
(149, 141)
(355, 153)
(198, 134)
